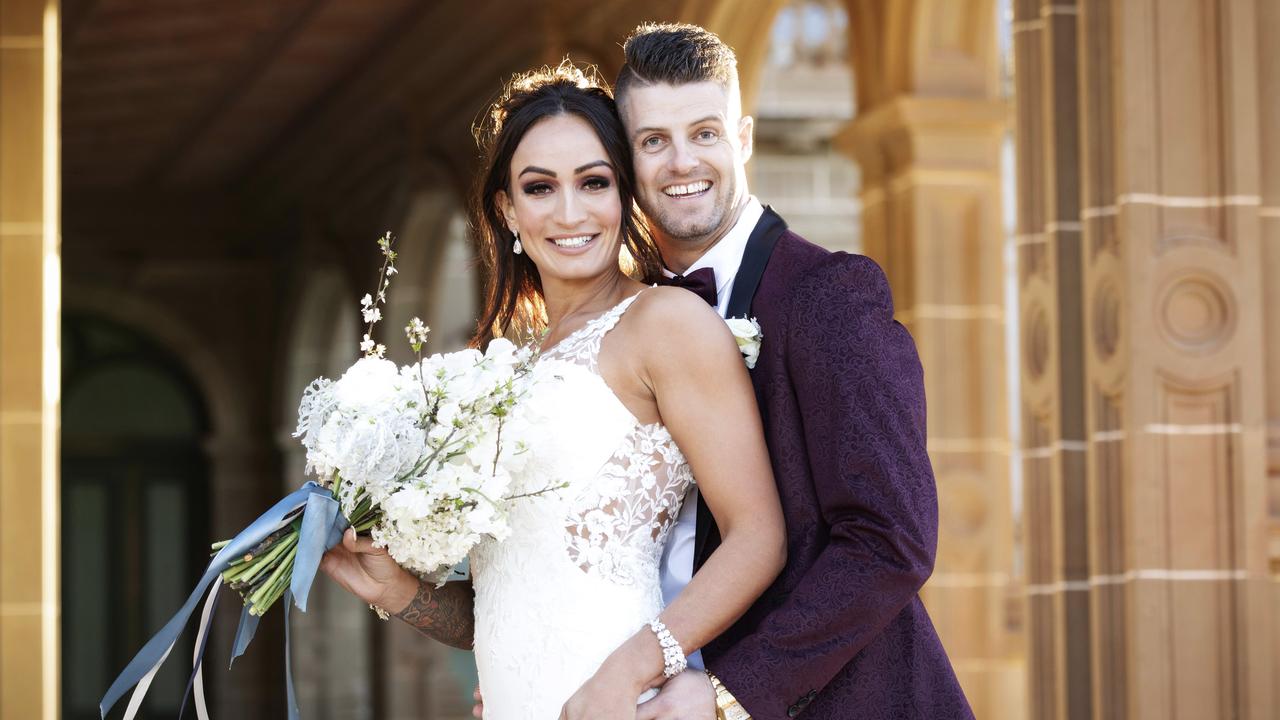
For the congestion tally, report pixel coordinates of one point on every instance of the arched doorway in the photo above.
(134, 507)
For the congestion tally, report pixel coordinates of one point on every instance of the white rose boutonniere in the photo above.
(747, 332)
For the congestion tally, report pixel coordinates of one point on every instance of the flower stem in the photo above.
(256, 567)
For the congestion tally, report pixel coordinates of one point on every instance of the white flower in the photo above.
(417, 332)
(368, 384)
(502, 351)
(372, 349)
(366, 301)
(747, 333)
(440, 447)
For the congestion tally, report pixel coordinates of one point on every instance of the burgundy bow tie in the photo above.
(701, 281)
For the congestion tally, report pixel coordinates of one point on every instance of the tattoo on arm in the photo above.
(446, 614)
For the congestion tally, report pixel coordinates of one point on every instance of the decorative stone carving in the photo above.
(1105, 319)
(1035, 340)
(1195, 312)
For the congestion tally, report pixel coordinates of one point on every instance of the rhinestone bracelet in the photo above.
(673, 660)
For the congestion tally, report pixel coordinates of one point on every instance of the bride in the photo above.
(566, 615)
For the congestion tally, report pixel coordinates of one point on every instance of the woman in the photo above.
(652, 392)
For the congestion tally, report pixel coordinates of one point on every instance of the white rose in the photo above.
(502, 352)
(369, 383)
(483, 520)
(746, 332)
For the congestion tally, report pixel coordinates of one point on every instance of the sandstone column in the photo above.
(1269, 212)
(932, 219)
(29, 359)
(1173, 326)
(1053, 450)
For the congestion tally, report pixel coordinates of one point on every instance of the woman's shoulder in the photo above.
(667, 324)
(672, 309)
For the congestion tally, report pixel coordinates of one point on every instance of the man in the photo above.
(842, 633)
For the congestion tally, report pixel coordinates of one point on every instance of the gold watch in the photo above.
(727, 706)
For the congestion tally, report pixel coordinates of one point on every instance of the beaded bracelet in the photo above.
(673, 660)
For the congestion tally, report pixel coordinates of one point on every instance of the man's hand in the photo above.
(369, 573)
(687, 696)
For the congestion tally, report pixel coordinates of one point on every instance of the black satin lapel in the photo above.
(754, 259)
(764, 236)
(703, 529)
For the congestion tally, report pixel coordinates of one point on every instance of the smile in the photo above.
(576, 241)
(688, 190)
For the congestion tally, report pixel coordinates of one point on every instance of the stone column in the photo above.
(1053, 453)
(932, 219)
(1175, 399)
(29, 359)
(1269, 147)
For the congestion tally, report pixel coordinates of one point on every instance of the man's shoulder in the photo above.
(795, 253)
(798, 265)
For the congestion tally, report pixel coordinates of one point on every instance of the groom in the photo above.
(842, 633)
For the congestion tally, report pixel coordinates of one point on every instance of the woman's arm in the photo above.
(446, 613)
(690, 362)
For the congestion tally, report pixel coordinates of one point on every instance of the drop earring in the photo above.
(516, 247)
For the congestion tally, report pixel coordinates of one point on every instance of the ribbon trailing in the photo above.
(322, 527)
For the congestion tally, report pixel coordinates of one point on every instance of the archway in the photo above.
(134, 513)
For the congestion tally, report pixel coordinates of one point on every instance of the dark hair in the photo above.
(676, 54)
(513, 292)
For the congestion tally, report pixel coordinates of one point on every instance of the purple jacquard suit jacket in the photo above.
(842, 633)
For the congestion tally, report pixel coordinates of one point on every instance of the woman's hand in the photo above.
(369, 573)
(611, 693)
(602, 696)
(446, 613)
(687, 696)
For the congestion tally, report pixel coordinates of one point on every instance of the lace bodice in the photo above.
(579, 574)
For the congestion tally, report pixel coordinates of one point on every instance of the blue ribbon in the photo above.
(322, 528)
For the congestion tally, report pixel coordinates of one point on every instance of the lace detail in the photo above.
(620, 522)
(579, 573)
(582, 347)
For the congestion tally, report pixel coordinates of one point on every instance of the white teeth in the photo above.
(690, 189)
(573, 242)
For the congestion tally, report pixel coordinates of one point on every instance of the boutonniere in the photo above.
(746, 331)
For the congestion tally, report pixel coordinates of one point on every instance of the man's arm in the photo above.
(859, 387)
(445, 614)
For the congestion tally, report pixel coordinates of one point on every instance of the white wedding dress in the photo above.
(579, 573)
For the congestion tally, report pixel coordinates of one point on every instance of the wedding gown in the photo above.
(579, 573)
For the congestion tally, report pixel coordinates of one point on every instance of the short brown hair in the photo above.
(676, 54)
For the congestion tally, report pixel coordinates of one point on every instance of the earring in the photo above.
(517, 248)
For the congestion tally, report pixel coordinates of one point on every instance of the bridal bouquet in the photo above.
(414, 455)
(421, 457)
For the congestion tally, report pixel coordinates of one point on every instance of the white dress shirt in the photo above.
(724, 258)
